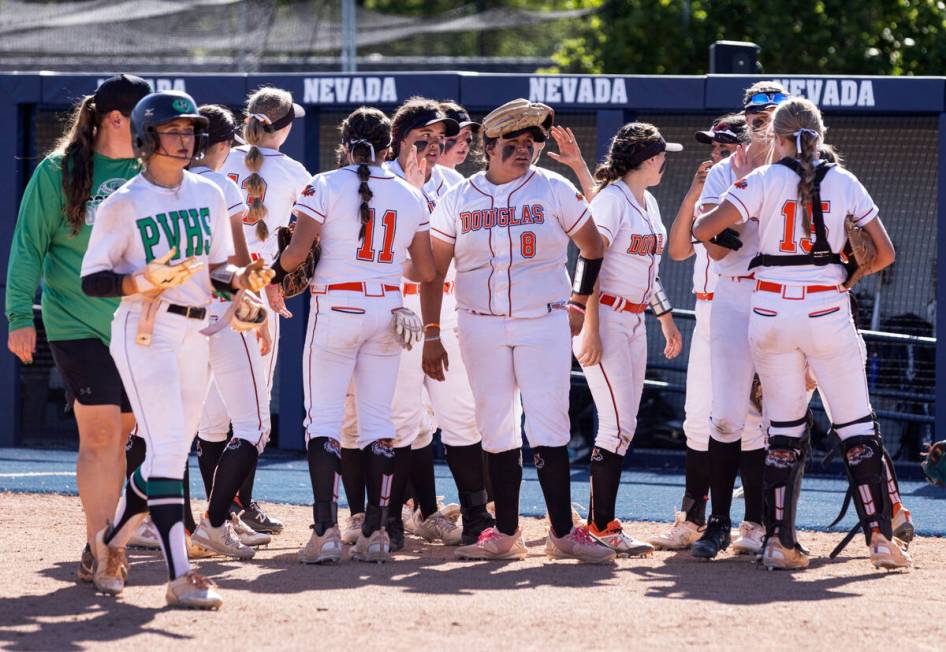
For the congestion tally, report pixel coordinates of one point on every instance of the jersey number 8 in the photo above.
(527, 244)
(366, 251)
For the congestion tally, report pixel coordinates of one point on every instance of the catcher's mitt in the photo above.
(297, 281)
(934, 466)
(755, 393)
(516, 115)
(860, 252)
(408, 327)
(246, 312)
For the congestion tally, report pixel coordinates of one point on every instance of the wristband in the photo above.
(431, 338)
(431, 325)
(659, 301)
(576, 306)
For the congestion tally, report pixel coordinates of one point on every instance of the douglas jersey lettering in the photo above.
(501, 217)
(194, 222)
(646, 245)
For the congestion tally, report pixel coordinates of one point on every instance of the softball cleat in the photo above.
(495, 546)
(888, 554)
(775, 555)
(325, 549)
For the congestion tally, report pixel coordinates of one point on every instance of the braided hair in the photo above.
(627, 142)
(365, 133)
(799, 121)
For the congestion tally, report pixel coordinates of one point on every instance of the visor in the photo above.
(719, 134)
(429, 117)
(295, 112)
(652, 149)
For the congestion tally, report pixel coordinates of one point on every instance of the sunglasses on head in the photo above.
(762, 100)
(452, 142)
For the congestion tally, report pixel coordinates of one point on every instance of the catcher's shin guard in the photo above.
(864, 462)
(781, 479)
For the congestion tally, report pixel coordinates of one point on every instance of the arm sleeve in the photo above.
(312, 200)
(221, 241)
(234, 197)
(606, 211)
(443, 223)
(571, 208)
(39, 216)
(109, 238)
(861, 205)
(747, 195)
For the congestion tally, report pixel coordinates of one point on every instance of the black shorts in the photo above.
(89, 373)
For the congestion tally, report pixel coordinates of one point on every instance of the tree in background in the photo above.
(866, 37)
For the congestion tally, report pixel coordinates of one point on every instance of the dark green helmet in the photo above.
(160, 108)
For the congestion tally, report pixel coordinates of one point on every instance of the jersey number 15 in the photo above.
(788, 243)
(367, 251)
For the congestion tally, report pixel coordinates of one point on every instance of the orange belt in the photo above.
(704, 296)
(778, 288)
(353, 287)
(414, 288)
(750, 277)
(621, 304)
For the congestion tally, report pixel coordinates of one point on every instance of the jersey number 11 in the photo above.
(366, 251)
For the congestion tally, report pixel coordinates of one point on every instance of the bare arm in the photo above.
(420, 268)
(712, 223)
(569, 153)
(885, 251)
(680, 240)
(435, 360)
(305, 234)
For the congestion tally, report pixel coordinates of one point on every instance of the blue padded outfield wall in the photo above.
(606, 101)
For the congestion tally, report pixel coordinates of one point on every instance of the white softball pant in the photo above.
(238, 392)
(733, 418)
(699, 396)
(617, 381)
(816, 327)
(166, 384)
(350, 336)
(533, 355)
(452, 399)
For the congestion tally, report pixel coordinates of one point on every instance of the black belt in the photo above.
(187, 311)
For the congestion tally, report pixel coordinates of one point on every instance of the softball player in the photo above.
(366, 220)
(238, 382)
(726, 134)
(737, 438)
(270, 181)
(457, 148)
(612, 346)
(92, 159)
(507, 229)
(801, 317)
(162, 215)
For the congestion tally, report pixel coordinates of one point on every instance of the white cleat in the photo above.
(435, 527)
(888, 554)
(623, 545)
(353, 529)
(376, 548)
(145, 536)
(680, 535)
(247, 535)
(407, 515)
(110, 566)
(451, 511)
(194, 551)
(325, 549)
(778, 556)
(494, 545)
(749, 539)
(193, 591)
(221, 540)
(578, 544)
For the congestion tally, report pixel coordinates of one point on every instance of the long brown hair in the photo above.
(365, 133)
(627, 142)
(77, 146)
(799, 120)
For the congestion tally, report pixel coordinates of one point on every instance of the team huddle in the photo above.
(439, 301)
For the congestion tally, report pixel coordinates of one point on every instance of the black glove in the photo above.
(727, 238)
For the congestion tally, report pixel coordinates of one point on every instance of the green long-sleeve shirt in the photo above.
(45, 248)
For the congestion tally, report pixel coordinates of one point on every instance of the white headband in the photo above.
(798, 135)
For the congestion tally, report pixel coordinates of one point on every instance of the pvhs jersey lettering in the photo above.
(187, 229)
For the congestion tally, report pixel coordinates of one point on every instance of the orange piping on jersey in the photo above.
(650, 278)
(509, 235)
(315, 322)
(489, 279)
(614, 402)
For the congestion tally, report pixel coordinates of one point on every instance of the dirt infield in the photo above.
(426, 600)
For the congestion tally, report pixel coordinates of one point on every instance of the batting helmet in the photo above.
(160, 108)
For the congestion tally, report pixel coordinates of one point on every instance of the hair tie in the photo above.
(361, 141)
(798, 135)
(261, 117)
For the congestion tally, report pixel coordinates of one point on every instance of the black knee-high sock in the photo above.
(379, 474)
(325, 465)
(751, 467)
(133, 502)
(135, 451)
(506, 471)
(605, 480)
(724, 464)
(189, 524)
(697, 486)
(487, 478)
(166, 506)
(246, 489)
(403, 459)
(467, 465)
(422, 477)
(353, 478)
(208, 455)
(238, 458)
(551, 463)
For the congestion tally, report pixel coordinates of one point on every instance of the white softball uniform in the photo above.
(802, 314)
(636, 237)
(510, 245)
(699, 382)
(166, 381)
(454, 410)
(733, 417)
(450, 175)
(284, 178)
(238, 377)
(356, 286)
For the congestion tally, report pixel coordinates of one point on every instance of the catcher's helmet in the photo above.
(159, 108)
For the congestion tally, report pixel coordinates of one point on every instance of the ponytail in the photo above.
(77, 146)
(809, 151)
(255, 188)
(364, 211)
(799, 121)
(627, 142)
(366, 133)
